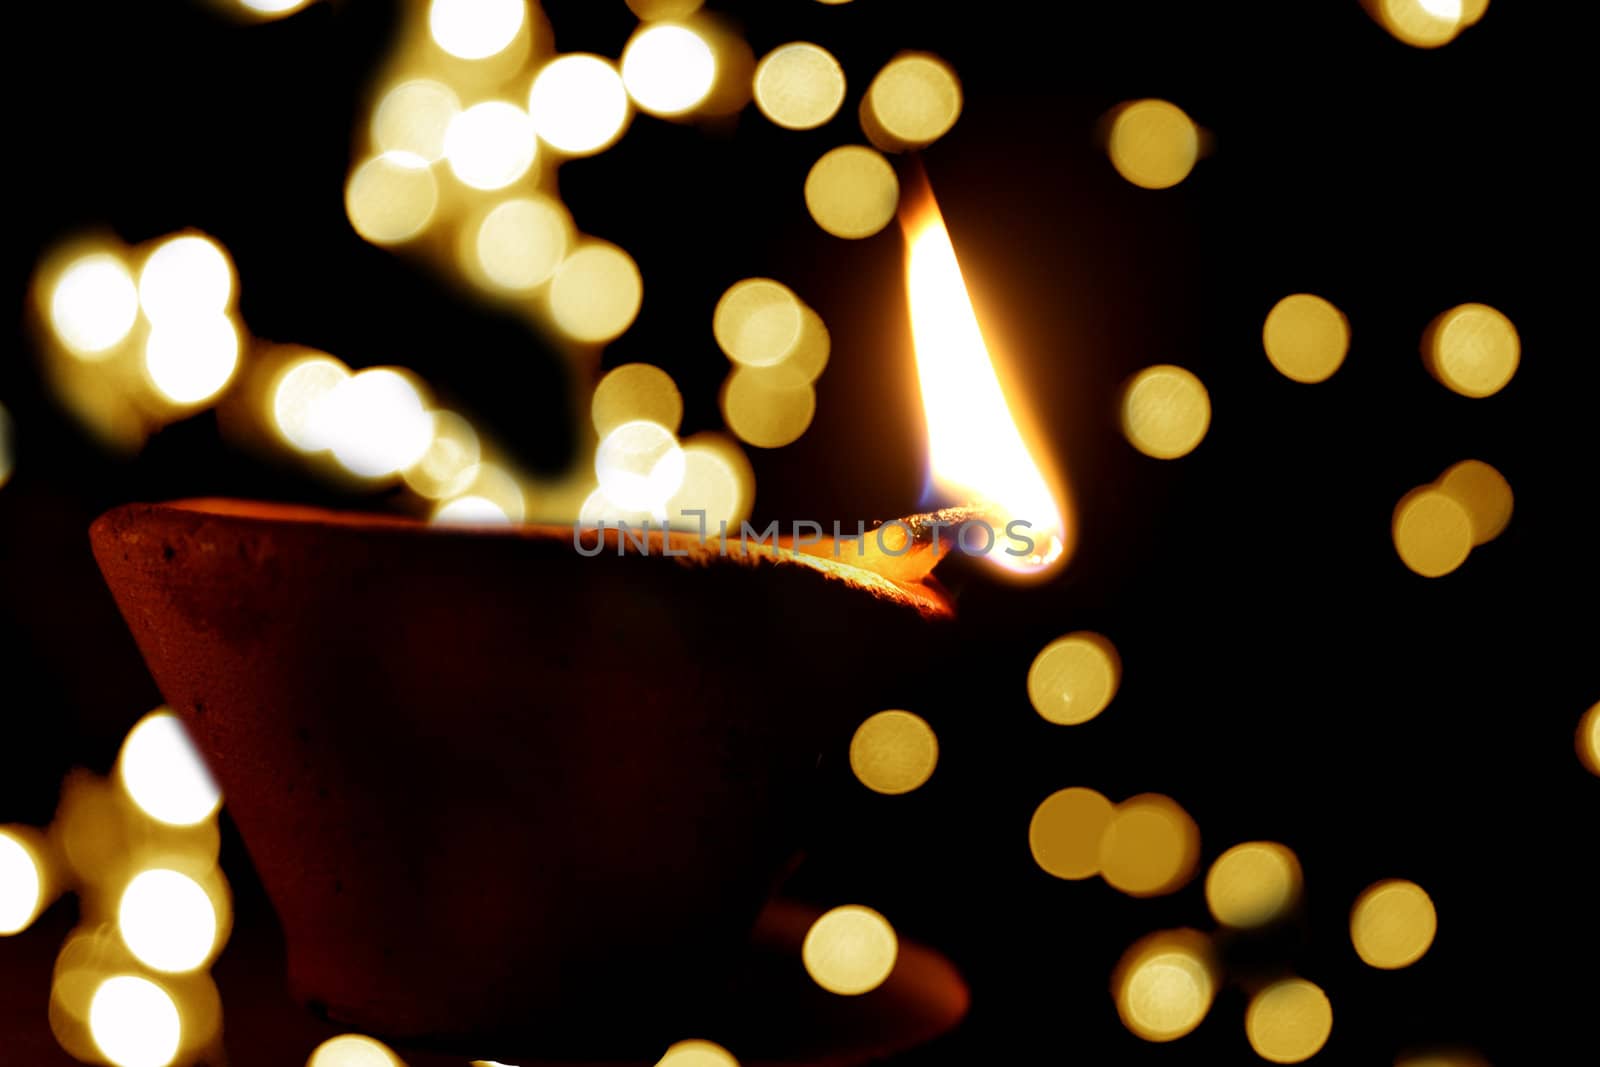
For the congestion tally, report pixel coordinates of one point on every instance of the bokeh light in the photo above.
(799, 86)
(1472, 349)
(353, 1050)
(449, 464)
(1064, 834)
(8, 460)
(1393, 924)
(414, 117)
(164, 774)
(850, 950)
(596, 293)
(767, 407)
(470, 511)
(1165, 411)
(1152, 143)
(21, 883)
(1253, 884)
(913, 101)
(1484, 493)
(1306, 337)
(852, 192)
(664, 9)
(893, 752)
(298, 401)
(697, 1053)
(717, 479)
(668, 69)
(1074, 677)
(1589, 739)
(1425, 23)
(275, 8)
(1432, 531)
(1288, 1021)
(188, 276)
(1164, 985)
(578, 104)
(757, 322)
(636, 391)
(1151, 846)
(639, 465)
(1441, 1058)
(475, 29)
(521, 242)
(135, 1022)
(490, 145)
(94, 305)
(377, 422)
(391, 197)
(191, 360)
(167, 920)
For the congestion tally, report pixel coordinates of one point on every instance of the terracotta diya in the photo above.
(496, 786)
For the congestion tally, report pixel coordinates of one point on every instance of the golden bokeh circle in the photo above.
(767, 407)
(799, 86)
(1473, 350)
(1151, 846)
(1065, 831)
(1253, 884)
(1416, 23)
(852, 192)
(1165, 411)
(1289, 1021)
(758, 322)
(391, 197)
(894, 752)
(521, 242)
(1393, 924)
(913, 101)
(1164, 985)
(596, 292)
(1484, 493)
(1306, 337)
(636, 391)
(850, 950)
(1074, 677)
(696, 1053)
(1589, 739)
(1432, 532)
(1153, 144)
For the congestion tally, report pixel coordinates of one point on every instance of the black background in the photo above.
(1285, 676)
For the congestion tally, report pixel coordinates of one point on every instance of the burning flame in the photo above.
(976, 452)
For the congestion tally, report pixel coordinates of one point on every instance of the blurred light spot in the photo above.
(1151, 846)
(579, 104)
(768, 407)
(8, 460)
(1153, 144)
(717, 479)
(470, 511)
(757, 322)
(1064, 834)
(639, 465)
(1165, 411)
(697, 1054)
(850, 950)
(21, 884)
(809, 357)
(1472, 349)
(799, 86)
(1253, 884)
(1589, 739)
(913, 101)
(596, 292)
(1164, 985)
(190, 360)
(391, 197)
(1392, 924)
(664, 9)
(668, 69)
(636, 391)
(475, 29)
(1454, 1058)
(490, 145)
(1288, 1021)
(353, 1050)
(852, 192)
(521, 242)
(1421, 23)
(1484, 493)
(413, 117)
(168, 921)
(93, 305)
(1432, 532)
(134, 1022)
(1074, 677)
(164, 774)
(298, 401)
(185, 277)
(447, 467)
(893, 752)
(274, 7)
(1306, 337)
(378, 423)
(597, 507)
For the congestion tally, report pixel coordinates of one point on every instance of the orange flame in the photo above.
(976, 451)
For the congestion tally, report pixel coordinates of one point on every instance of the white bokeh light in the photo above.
(168, 921)
(640, 465)
(578, 104)
(475, 29)
(185, 277)
(668, 69)
(490, 145)
(20, 885)
(376, 423)
(471, 511)
(164, 774)
(135, 1022)
(299, 407)
(94, 305)
(190, 360)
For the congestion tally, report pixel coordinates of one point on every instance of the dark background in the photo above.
(1285, 676)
